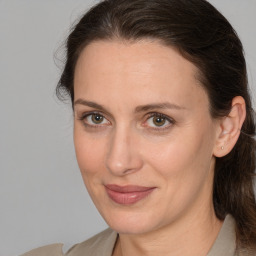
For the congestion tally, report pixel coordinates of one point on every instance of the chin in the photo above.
(126, 227)
(131, 222)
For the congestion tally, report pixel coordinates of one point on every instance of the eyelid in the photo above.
(157, 114)
(153, 114)
(84, 115)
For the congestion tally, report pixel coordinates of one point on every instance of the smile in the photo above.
(126, 195)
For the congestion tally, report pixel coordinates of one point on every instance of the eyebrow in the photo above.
(164, 105)
(89, 104)
(141, 108)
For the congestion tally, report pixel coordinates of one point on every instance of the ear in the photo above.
(230, 128)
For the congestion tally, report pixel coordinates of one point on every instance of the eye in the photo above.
(94, 119)
(157, 120)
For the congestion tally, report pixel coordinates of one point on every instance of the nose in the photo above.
(123, 155)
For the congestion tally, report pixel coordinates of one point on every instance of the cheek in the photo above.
(171, 162)
(90, 157)
(183, 166)
(183, 159)
(90, 154)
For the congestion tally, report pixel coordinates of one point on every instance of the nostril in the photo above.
(122, 157)
(124, 163)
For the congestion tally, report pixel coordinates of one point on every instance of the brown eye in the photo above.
(97, 119)
(159, 121)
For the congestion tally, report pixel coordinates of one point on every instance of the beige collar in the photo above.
(103, 244)
(225, 244)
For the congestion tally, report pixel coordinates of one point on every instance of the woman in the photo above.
(163, 129)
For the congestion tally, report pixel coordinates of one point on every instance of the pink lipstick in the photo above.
(126, 195)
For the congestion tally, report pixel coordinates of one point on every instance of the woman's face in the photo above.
(143, 134)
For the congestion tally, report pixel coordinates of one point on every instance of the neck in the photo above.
(193, 236)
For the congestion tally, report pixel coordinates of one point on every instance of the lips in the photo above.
(126, 195)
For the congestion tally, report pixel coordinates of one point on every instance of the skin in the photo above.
(127, 147)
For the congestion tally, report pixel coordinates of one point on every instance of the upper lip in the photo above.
(127, 188)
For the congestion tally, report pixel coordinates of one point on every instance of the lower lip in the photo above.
(128, 198)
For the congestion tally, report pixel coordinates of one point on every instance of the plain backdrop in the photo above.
(42, 196)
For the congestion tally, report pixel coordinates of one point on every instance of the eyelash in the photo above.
(148, 116)
(85, 115)
(160, 115)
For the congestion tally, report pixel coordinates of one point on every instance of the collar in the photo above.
(225, 244)
(104, 243)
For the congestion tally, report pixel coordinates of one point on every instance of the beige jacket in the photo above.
(103, 244)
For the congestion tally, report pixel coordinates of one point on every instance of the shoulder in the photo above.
(49, 250)
(99, 245)
(226, 242)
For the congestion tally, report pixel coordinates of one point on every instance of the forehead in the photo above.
(146, 55)
(145, 68)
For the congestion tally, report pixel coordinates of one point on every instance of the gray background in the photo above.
(43, 199)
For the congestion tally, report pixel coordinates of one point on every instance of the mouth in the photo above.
(127, 195)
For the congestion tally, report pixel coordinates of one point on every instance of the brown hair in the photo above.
(204, 37)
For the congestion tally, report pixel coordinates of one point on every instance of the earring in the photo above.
(222, 147)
